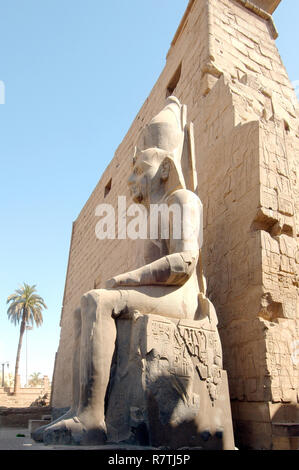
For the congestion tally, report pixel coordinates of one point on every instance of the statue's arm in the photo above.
(171, 270)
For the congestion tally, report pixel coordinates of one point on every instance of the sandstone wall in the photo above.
(223, 63)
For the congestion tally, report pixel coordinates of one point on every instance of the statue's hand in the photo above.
(111, 283)
(126, 279)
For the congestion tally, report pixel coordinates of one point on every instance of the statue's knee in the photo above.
(94, 299)
(90, 300)
(99, 302)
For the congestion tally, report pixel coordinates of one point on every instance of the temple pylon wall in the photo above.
(223, 63)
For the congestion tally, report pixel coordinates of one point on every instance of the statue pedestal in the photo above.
(167, 385)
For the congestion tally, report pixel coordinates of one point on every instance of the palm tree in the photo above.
(35, 379)
(25, 307)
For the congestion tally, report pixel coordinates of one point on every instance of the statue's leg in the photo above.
(98, 335)
(84, 423)
(97, 348)
(76, 361)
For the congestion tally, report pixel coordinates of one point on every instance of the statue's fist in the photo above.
(111, 283)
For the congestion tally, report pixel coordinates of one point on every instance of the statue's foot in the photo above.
(73, 432)
(38, 434)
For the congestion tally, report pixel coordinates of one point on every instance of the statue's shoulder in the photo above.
(183, 196)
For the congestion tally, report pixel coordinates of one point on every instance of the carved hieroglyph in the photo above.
(174, 386)
(166, 369)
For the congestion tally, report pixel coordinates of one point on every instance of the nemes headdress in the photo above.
(168, 131)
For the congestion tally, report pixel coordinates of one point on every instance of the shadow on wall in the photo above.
(164, 419)
(158, 413)
(276, 427)
(159, 395)
(162, 402)
(285, 428)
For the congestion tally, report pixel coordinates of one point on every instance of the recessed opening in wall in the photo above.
(286, 126)
(174, 81)
(108, 187)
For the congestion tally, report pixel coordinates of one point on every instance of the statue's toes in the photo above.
(38, 434)
(74, 432)
(64, 432)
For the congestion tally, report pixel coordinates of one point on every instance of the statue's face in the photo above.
(145, 167)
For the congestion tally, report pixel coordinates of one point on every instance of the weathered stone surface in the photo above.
(267, 5)
(168, 385)
(20, 417)
(245, 115)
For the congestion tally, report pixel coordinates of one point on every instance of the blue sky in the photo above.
(76, 73)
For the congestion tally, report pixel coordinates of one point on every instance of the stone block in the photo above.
(168, 386)
(280, 413)
(255, 411)
(285, 443)
(253, 435)
(19, 417)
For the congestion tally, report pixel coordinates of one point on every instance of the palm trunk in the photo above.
(22, 329)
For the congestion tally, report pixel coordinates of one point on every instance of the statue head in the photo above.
(157, 160)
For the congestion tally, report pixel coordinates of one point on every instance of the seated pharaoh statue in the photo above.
(147, 362)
